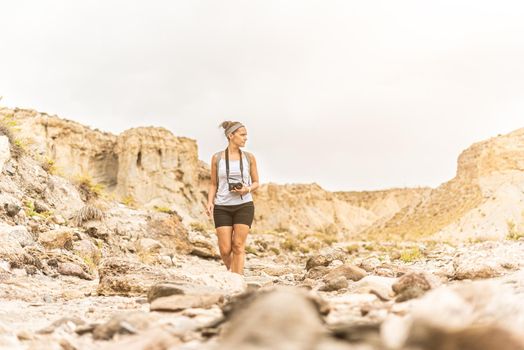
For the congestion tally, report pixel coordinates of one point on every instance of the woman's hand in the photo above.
(209, 209)
(243, 191)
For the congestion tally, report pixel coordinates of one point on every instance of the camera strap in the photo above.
(241, 167)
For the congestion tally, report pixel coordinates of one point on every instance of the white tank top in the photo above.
(224, 196)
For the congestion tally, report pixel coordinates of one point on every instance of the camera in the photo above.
(235, 186)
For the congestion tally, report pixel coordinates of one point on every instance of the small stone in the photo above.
(12, 209)
(204, 249)
(30, 270)
(126, 323)
(335, 284)
(58, 219)
(351, 272)
(413, 285)
(318, 260)
(163, 290)
(41, 207)
(316, 272)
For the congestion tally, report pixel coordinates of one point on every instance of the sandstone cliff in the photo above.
(485, 200)
(147, 166)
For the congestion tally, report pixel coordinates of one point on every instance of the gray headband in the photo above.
(233, 128)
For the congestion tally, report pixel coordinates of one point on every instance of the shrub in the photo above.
(88, 188)
(49, 165)
(129, 201)
(411, 255)
(513, 233)
(162, 209)
(197, 226)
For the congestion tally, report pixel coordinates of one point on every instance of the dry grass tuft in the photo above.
(88, 213)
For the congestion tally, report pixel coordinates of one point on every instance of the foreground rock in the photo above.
(282, 319)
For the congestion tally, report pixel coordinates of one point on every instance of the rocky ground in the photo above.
(348, 296)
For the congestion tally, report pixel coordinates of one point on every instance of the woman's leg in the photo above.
(224, 234)
(238, 246)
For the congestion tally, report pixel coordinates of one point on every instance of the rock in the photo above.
(478, 267)
(160, 290)
(394, 331)
(61, 238)
(280, 319)
(71, 269)
(334, 284)
(31, 270)
(124, 323)
(204, 249)
(377, 285)
(151, 339)
(357, 333)
(413, 285)
(180, 302)
(71, 323)
(129, 278)
(318, 260)
(317, 272)
(17, 234)
(370, 264)
(10, 169)
(10, 248)
(278, 271)
(12, 209)
(88, 251)
(5, 151)
(351, 272)
(148, 245)
(482, 337)
(41, 207)
(229, 283)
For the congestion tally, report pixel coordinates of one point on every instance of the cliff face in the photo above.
(310, 208)
(143, 166)
(485, 200)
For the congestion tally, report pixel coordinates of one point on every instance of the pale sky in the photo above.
(352, 95)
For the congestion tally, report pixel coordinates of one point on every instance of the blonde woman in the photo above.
(234, 177)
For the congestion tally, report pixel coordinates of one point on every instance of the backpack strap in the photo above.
(248, 157)
(218, 156)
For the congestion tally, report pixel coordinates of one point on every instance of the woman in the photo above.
(234, 177)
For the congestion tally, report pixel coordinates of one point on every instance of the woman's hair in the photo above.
(226, 125)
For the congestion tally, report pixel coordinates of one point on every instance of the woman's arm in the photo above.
(254, 173)
(212, 187)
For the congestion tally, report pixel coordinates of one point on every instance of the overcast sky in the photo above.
(352, 95)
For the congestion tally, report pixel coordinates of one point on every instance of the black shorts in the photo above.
(228, 215)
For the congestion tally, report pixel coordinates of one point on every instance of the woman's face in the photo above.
(239, 137)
